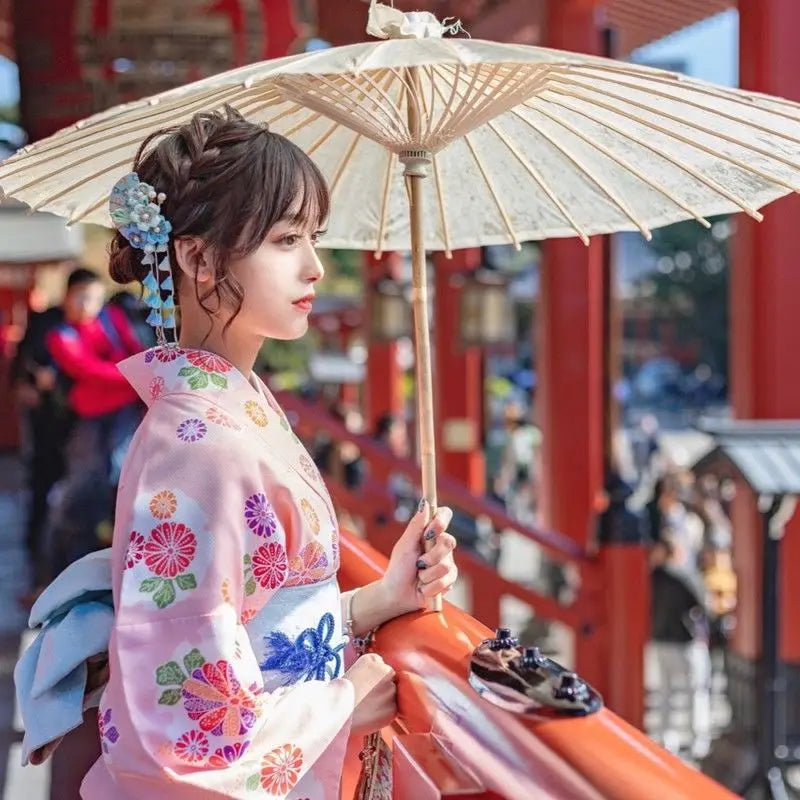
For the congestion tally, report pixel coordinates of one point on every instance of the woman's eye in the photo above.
(291, 239)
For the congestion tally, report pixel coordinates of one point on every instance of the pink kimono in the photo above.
(227, 649)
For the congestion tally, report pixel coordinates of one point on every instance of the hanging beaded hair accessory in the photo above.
(136, 212)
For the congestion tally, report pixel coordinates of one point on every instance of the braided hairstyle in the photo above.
(226, 181)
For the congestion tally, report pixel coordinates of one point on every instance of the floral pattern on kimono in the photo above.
(226, 651)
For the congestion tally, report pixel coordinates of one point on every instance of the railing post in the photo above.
(626, 589)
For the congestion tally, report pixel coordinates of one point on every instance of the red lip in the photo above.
(304, 303)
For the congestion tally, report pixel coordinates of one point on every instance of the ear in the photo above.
(192, 255)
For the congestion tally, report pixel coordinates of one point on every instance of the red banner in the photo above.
(83, 56)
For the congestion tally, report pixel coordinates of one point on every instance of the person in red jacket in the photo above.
(85, 349)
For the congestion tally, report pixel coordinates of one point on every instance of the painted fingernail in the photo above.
(430, 535)
(422, 504)
(421, 564)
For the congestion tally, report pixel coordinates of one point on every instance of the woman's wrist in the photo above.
(372, 605)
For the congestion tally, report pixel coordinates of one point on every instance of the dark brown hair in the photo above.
(226, 181)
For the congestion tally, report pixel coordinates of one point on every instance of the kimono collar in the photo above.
(162, 371)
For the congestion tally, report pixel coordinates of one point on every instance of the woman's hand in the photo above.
(376, 694)
(413, 576)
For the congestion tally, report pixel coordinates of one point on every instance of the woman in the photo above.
(226, 673)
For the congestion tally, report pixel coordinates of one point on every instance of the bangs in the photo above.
(311, 201)
(282, 184)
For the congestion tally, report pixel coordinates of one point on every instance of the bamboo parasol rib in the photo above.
(748, 209)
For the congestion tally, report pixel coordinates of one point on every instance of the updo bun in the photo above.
(125, 262)
(227, 181)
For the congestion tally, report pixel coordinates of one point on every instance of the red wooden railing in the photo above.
(586, 615)
(448, 742)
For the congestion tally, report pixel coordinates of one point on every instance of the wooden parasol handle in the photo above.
(422, 347)
(416, 169)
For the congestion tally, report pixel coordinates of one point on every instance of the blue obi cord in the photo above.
(307, 657)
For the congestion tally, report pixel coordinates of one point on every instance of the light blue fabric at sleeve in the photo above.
(76, 614)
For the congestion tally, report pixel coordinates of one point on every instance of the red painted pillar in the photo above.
(458, 379)
(569, 389)
(765, 338)
(572, 404)
(383, 386)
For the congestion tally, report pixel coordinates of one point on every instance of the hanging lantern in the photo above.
(486, 313)
(391, 312)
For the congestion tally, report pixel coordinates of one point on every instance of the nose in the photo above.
(314, 270)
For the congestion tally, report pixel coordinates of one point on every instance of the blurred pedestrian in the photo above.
(707, 504)
(392, 432)
(721, 585)
(517, 482)
(136, 311)
(85, 348)
(46, 419)
(680, 642)
(646, 448)
(670, 514)
(341, 460)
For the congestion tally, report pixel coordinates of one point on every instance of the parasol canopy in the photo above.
(527, 143)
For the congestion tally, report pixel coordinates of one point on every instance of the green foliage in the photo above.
(343, 271)
(691, 285)
(291, 356)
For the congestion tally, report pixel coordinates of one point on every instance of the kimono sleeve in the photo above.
(189, 711)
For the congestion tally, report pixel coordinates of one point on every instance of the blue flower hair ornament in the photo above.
(135, 209)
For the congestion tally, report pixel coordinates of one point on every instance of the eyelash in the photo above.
(315, 237)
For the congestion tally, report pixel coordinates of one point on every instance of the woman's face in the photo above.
(279, 281)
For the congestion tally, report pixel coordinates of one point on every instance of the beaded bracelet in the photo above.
(360, 643)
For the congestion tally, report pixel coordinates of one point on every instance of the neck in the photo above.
(239, 349)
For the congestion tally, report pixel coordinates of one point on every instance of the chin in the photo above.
(290, 332)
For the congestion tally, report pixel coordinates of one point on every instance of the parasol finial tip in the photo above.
(387, 22)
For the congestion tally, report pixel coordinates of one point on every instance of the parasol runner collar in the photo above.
(386, 22)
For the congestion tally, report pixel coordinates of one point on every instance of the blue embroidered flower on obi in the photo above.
(306, 658)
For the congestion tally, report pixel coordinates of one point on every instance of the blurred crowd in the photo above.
(78, 417)
(693, 584)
